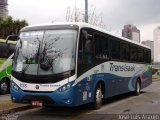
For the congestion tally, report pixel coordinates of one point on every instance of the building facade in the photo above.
(131, 32)
(3, 8)
(149, 43)
(156, 38)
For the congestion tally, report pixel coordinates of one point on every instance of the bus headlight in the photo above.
(14, 86)
(64, 87)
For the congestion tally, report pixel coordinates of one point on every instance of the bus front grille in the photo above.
(45, 99)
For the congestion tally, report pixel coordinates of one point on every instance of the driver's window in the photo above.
(85, 52)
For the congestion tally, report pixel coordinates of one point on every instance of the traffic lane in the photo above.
(54, 113)
(76, 113)
(65, 113)
(147, 102)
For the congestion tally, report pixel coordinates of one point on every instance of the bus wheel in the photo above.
(98, 98)
(4, 86)
(138, 88)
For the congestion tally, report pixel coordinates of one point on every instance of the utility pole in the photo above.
(86, 11)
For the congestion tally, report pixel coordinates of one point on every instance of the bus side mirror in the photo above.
(86, 35)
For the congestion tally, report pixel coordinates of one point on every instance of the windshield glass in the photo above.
(45, 52)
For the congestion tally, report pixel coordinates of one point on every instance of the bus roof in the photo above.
(83, 25)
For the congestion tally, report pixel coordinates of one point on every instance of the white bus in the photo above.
(70, 64)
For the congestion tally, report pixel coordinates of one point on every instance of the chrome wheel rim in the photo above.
(98, 96)
(138, 88)
(4, 86)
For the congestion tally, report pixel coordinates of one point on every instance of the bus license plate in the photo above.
(37, 103)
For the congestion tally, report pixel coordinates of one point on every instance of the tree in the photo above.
(8, 26)
(77, 15)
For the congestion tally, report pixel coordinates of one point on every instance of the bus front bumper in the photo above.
(56, 98)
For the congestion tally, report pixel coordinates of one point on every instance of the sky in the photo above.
(144, 14)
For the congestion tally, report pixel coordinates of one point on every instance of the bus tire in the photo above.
(4, 86)
(137, 88)
(98, 97)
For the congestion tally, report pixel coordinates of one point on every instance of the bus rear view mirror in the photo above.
(86, 35)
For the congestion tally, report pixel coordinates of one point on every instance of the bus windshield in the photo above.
(45, 52)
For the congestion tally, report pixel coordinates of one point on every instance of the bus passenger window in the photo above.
(115, 49)
(133, 53)
(124, 51)
(140, 55)
(101, 47)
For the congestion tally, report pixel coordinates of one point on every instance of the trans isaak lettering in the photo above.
(125, 67)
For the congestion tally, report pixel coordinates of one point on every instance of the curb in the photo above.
(16, 109)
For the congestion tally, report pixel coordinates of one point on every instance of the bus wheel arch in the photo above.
(5, 85)
(99, 94)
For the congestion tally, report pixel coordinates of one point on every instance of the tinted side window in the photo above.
(133, 53)
(11, 48)
(85, 53)
(101, 47)
(149, 56)
(6, 49)
(140, 55)
(3, 50)
(125, 53)
(115, 49)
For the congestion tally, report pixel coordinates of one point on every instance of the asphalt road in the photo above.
(4, 98)
(119, 107)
